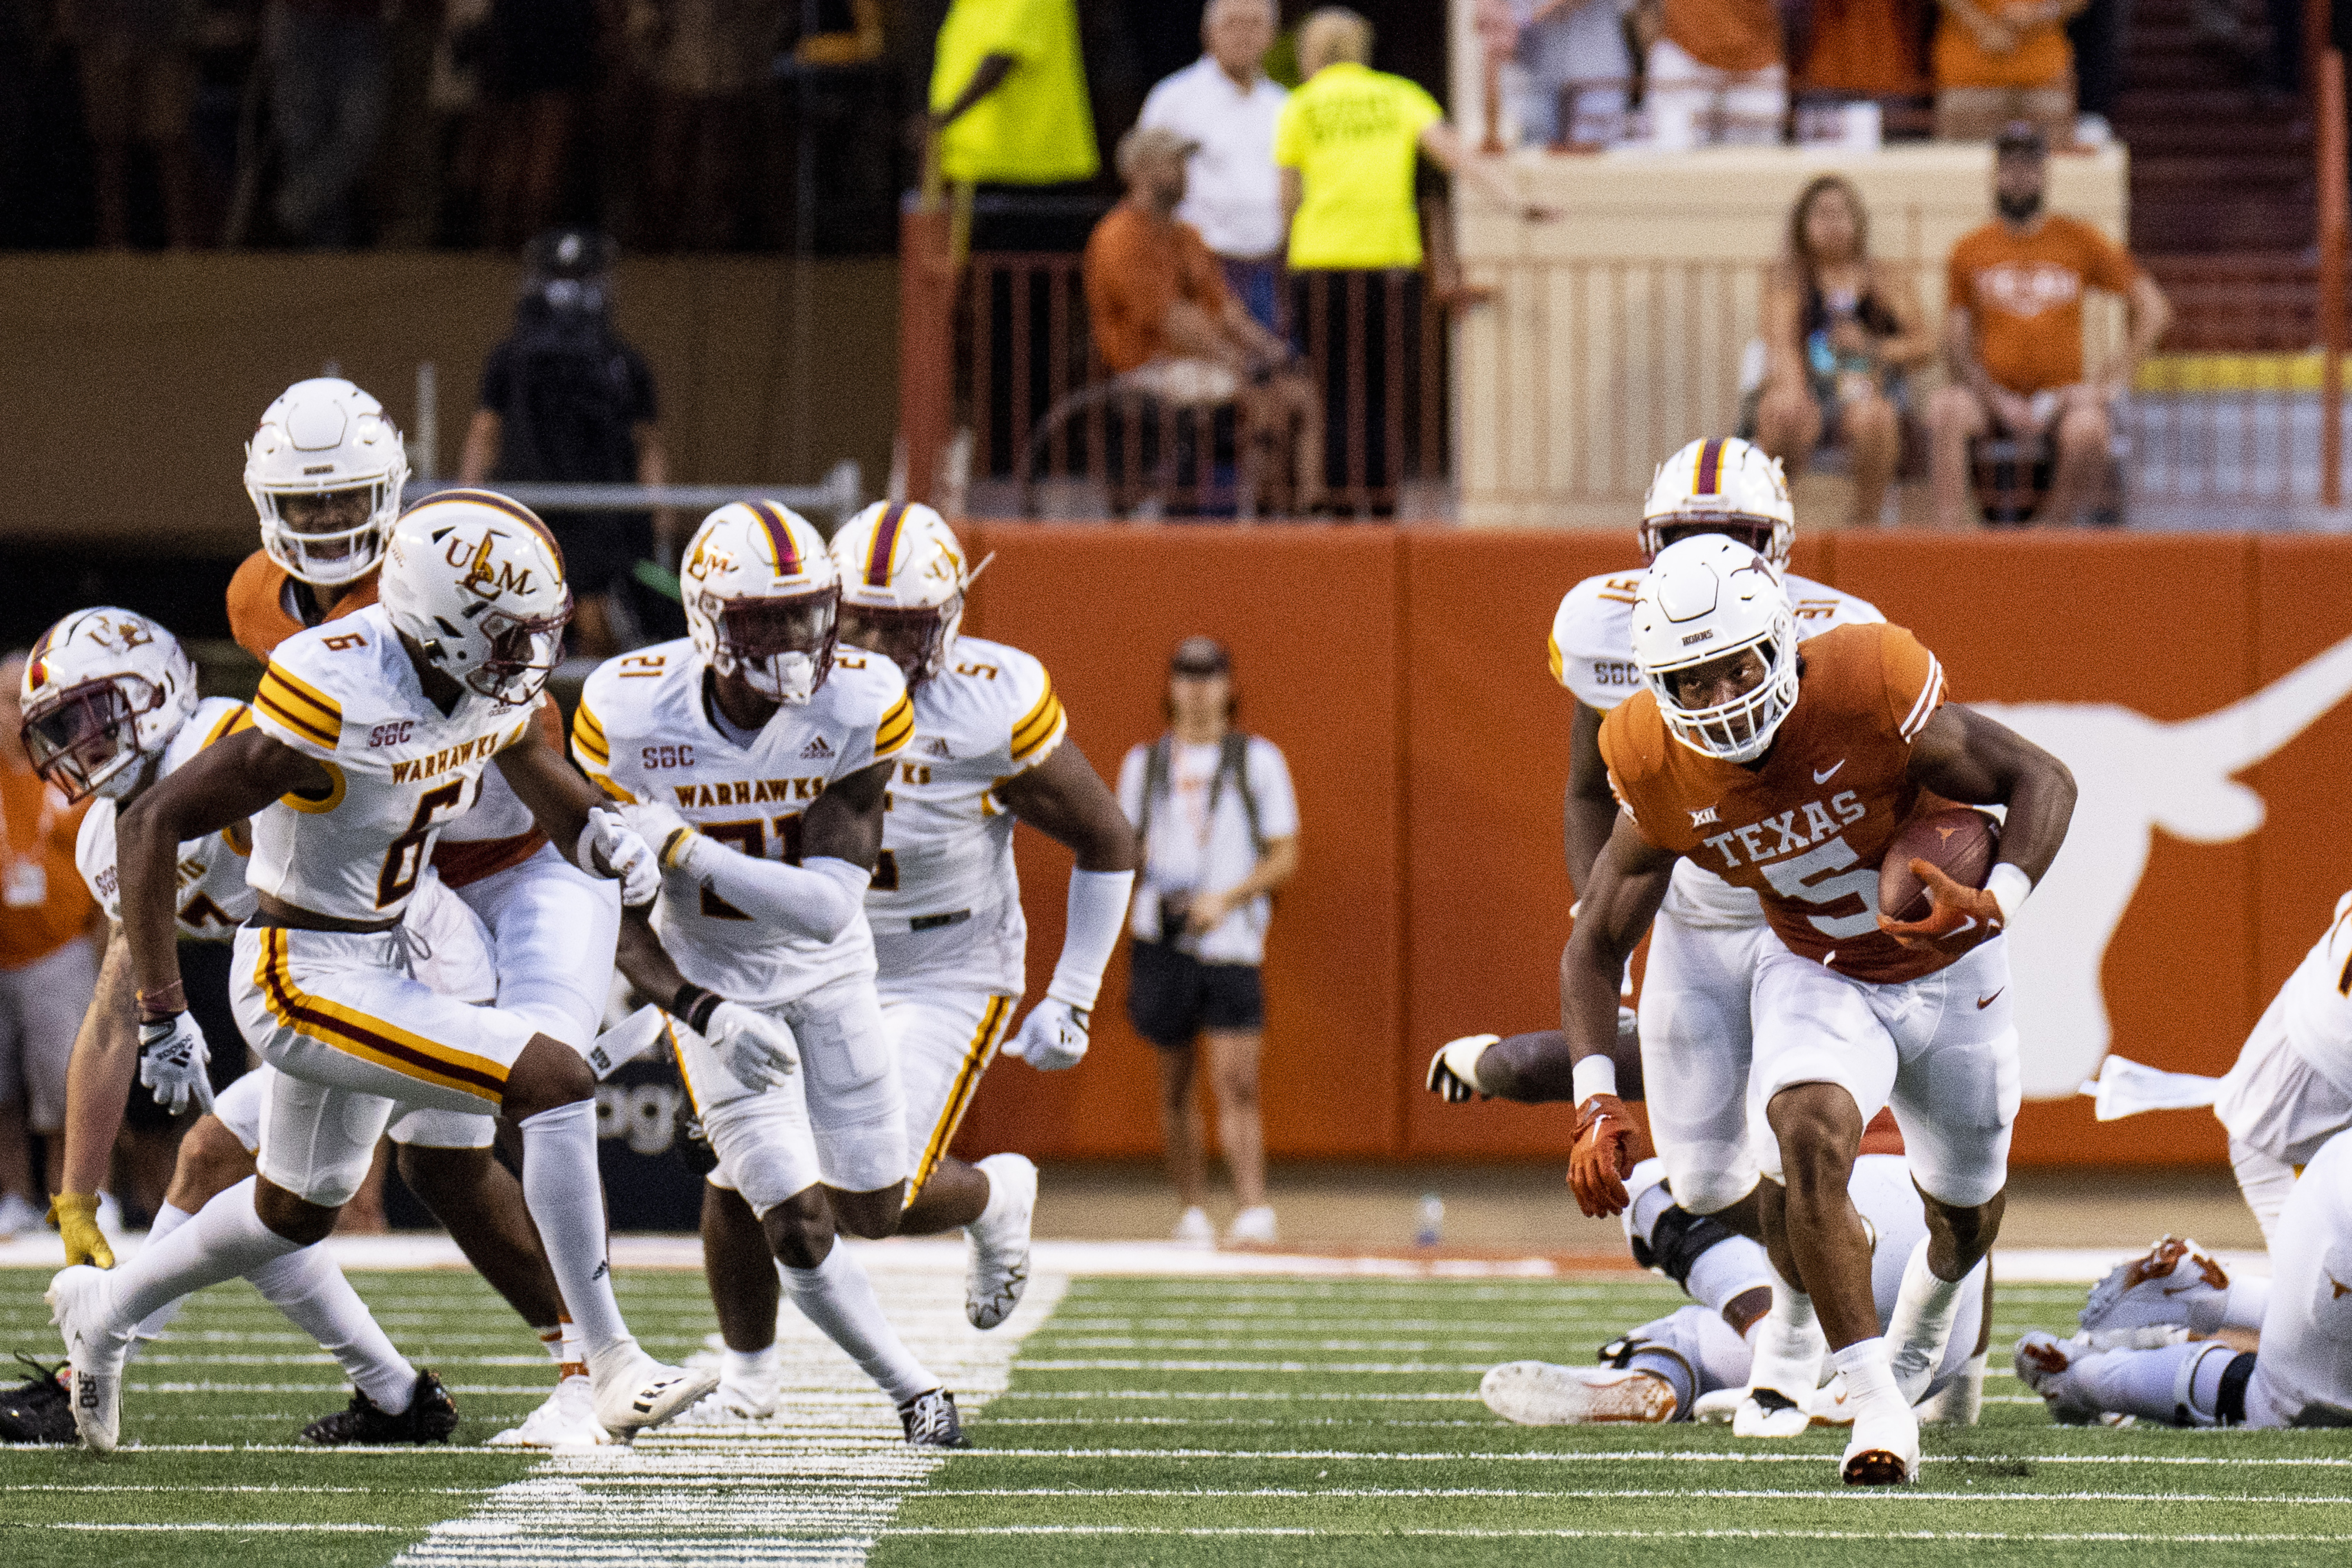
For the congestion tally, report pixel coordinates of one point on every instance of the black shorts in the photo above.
(1171, 995)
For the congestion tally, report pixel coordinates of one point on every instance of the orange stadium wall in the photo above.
(2195, 684)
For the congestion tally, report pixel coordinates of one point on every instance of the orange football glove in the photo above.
(1961, 918)
(1596, 1167)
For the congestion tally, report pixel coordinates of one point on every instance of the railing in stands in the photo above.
(1055, 433)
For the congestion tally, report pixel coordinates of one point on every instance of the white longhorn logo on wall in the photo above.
(2135, 775)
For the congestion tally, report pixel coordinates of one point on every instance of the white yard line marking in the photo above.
(1361, 1368)
(1650, 1456)
(1844, 1494)
(238, 1529)
(818, 1484)
(2166, 1538)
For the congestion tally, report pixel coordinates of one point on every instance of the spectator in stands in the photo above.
(566, 399)
(327, 61)
(1008, 100)
(1865, 48)
(1348, 144)
(48, 955)
(1574, 68)
(138, 89)
(706, 62)
(2001, 60)
(1840, 330)
(1716, 72)
(539, 60)
(1163, 319)
(1220, 829)
(1226, 105)
(2013, 337)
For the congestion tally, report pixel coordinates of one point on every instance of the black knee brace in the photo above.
(1677, 1239)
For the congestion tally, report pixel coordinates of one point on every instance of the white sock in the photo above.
(994, 1210)
(1788, 1341)
(224, 1240)
(760, 1369)
(311, 1290)
(566, 1200)
(2266, 1180)
(2158, 1384)
(1920, 1328)
(1647, 1183)
(2249, 1298)
(1868, 1377)
(838, 1298)
(1960, 1401)
(167, 1220)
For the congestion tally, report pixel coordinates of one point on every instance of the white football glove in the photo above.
(1053, 1038)
(758, 1050)
(1453, 1070)
(673, 837)
(611, 847)
(172, 1060)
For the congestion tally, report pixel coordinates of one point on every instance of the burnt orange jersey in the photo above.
(263, 611)
(1807, 828)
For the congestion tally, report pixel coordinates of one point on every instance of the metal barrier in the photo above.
(836, 497)
(1055, 433)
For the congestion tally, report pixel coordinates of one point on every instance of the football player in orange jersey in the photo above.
(1792, 776)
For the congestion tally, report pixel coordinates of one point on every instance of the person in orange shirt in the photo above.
(1999, 60)
(48, 961)
(1714, 70)
(2013, 336)
(1163, 320)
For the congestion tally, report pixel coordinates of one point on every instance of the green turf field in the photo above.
(1208, 1421)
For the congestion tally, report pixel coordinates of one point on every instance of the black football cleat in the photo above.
(930, 1421)
(431, 1418)
(39, 1410)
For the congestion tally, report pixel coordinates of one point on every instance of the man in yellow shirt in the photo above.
(1347, 143)
(1009, 95)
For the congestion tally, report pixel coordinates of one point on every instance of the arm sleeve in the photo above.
(1097, 908)
(1278, 803)
(816, 900)
(1042, 725)
(1915, 681)
(296, 711)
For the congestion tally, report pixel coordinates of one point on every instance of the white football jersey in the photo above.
(213, 895)
(642, 732)
(1591, 649)
(346, 693)
(2317, 1012)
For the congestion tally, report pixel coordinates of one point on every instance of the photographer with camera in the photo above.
(1219, 825)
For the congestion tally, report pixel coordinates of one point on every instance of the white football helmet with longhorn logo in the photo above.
(103, 689)
(325, 470)
(903, 578)
(762, 595)
(1720, 485)
(476, 581)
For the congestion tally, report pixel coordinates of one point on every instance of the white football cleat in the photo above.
(1769, 1412)
(1885, 1448)
(566, 1423)
(1540, 1393)
(77, 1300)
(1254, 1226)
(999, 1270)
(2178, 1283)
(2047, 1364)
(731, 1404)
(1830, 1406)
(634, 1390)
(1193, 1229)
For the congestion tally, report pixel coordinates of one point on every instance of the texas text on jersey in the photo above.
(1591, 644)
(1806, 827)
(346, 693)
(213, 896)
(947, 855)
(644, 732)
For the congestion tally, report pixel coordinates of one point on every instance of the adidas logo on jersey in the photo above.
(816, 748)
(936, 747)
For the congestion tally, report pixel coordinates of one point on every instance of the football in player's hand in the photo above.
(1960, 841)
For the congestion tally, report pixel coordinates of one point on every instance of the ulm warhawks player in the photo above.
(111, 707)
(1790, 775)
(754, 755)
(367, 735)
(324, 470)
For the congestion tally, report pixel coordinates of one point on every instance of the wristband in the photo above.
(2008, 884)
(1594, 1074)
(165, 1000)
(694, 1005)
(675, 848)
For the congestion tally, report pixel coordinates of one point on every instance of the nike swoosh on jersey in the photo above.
(1823, 776)
(1985, 1001)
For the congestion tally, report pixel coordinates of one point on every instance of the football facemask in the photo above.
(780, 648)
(84, 741)
(914, 640)
(524, 652)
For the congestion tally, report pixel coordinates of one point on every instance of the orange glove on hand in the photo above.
(1961, 918)
(1596, 1167)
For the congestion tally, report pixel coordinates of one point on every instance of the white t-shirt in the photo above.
(1232, 193)
(1190, 851)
